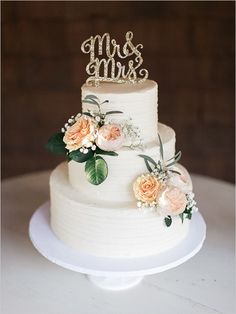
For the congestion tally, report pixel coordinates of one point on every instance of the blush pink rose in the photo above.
(146, 188)
(81, 133)
(172, 201)
(110, 137)
(182, 181)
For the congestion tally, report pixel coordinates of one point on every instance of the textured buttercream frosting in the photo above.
(136, 101)
(105, 228)
(122, 170)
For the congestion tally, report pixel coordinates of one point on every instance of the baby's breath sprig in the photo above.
(153, 206)
(132, 134)
(70, 122)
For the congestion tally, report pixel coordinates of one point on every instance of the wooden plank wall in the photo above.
(188, 49)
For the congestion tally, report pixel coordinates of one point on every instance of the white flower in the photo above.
(139, 204)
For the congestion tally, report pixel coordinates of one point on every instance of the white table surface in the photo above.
(33, 285)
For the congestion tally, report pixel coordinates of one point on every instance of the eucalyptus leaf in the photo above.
(177, 158)
(96, 170)
(174, 171)
(91, 97)
(87, 113)
(168, 221)
(105, 101)
(149, 168)
(148, 159)
(113, 112)
(159, 165)
(174, 157)
(78, 156)
(56, 144)
(91, 101)
(104, 152)
(161, 147)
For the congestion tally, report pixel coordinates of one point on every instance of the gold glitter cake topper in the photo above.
(107, 69)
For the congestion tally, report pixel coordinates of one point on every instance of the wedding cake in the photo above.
(121, 193)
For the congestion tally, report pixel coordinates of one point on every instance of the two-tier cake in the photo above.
(121, 193)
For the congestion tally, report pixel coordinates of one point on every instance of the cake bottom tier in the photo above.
(105, 229)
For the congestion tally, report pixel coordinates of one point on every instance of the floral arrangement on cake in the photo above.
(166, 188)
(90, 134)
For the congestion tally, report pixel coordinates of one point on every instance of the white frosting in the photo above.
(137, 101)
(122, 170)
(108, 229)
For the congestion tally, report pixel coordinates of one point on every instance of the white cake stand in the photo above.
(112, 273)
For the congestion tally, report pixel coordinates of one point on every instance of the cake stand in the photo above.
(112, 273)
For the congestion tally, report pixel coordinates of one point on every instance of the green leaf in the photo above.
(96, 170)
(56, 145)
(159, 165)
(78, 156)
(91, 101)
(113, 112)
(91, 97)
(174, 157)
(105, 101)
(148, 159)
(182, 217)
(177, 158)
(87, 113)
(104, 152)
(161, 147)
(168, 221)
(149, 168)
(189, 216)
(187, 211)
(174, 171)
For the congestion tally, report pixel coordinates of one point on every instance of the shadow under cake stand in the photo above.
(112, 273)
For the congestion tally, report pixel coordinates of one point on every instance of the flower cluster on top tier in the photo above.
(167, 188)
(92, 133)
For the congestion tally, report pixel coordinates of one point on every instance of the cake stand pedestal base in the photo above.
(116, 283)
(112, 273)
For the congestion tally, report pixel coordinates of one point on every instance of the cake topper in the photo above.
(106, 68)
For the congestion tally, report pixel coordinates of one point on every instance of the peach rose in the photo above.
(110, 137)
(81, 133)
(182, 181)
(172, 201)
(146, 188)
